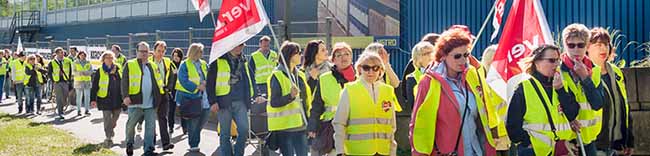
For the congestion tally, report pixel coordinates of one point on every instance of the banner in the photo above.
(238, 21)
(203, 6)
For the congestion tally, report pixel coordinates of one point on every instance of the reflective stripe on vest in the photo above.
(223, 78)
(3, 67)
(27, 77)
(330, 93)
(288, 116)
(192, 75)
(135, 77)
(18, 68)
(56, 70)
(536, 121)
(102, 91)
(78, 68)
(589, 118)
(168, 68)
(263, 66)
(620, 80)
(369, 124)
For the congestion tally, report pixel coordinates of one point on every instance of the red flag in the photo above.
(498, 17)
(203, 7)
(238, 21)
(525, 29)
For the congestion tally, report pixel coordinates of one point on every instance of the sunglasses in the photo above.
(367, 68)
(573, 45)
(457, 56)
(551, 60)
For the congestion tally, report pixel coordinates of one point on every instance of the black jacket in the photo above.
(225, 100)
(517, 108)
(137, 98)
(33, 79)
(604, 139)
(279, 100)
(114, 98)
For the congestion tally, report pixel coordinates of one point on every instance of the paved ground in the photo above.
(90, 129)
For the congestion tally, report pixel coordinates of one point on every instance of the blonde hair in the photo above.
(577, 30)
(364, 58)
(418, 50)
(488, 55)
(31, 56)
(373, 47)
(107, 53)
(194, 51)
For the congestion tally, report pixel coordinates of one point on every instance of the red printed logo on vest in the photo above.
(386, 105)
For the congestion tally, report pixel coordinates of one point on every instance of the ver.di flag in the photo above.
(525, 29)
(203, 6)
(238, 21)
(498, 17)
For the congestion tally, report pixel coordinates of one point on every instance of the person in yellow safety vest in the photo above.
(261, 63)
(17, 67)
(105, 94)
(315, 63)
(59, 70)
(326, 99)
(230, 89)
(166, 68)
(82, 72)
(616, 136)
(450, 114)
(142, 92)
(389, 77)
(289, 102)
(576, 70)
(72, 54)
(119, 58)
(4, 65)
(540, 109)
(364, 123)
(32, 82)
(190, 86)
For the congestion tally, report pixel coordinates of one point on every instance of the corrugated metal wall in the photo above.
(418, 17)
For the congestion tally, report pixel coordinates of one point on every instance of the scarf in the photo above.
(570, 64)
(107, 68)
(348, 73)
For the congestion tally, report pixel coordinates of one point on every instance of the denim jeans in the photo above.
(33, 95)
(525, 151)
(591, 149)
(149, 116)
(292, 143)
(195, 125)
(237, 112)
(20, 89)
(83, 98)
(2, 88)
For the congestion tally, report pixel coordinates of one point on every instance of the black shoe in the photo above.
(129, 150)
(20, 111)
(38, 112)
(87, 113)
(150, 153)
(60, 118)
(168, 147)
(78, 113)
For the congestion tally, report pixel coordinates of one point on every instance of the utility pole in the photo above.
(287, 20)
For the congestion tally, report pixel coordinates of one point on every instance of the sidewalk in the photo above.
(90, 129)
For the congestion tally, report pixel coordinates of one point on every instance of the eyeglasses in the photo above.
(457, 56)
(341, 55)
(143, 51)
(573, 45)
(367, 68)
(551, 60)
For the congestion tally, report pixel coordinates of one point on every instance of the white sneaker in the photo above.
(194, 149)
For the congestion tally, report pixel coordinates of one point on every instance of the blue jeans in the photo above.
(20, 89)
(591, 149)
(83, 97)
(149, 116)
(195, 125)
(2, 82)
(292, 143)
(33, 95)
(525, 151)
(237, 112)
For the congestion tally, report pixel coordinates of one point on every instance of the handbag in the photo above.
(190, 108)
(324, 141)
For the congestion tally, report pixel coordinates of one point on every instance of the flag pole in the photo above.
(480, 32)
(214, 21)
(277, 46)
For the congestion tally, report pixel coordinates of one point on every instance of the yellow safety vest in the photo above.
(169, 66)
(27, 77)
(264, 66)
(330, 93)
(3, 68)
(121, 59)
(623, 90)
(497, 108)
(18, 68)
(56, 70)
(291, 115)
(370, 127)
(591, 120)
(135, 77)
(79, 68)
(102, 92)
(536, 122)
(192, 75)
(424, 128)
(223, 78)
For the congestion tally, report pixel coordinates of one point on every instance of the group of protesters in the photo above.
(572, 100)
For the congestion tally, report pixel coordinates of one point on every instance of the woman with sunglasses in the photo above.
(364, 123)
(616, 136)
(290, 100)
(449, 115)
(576, 70)
(541, 108)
